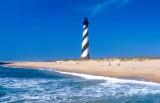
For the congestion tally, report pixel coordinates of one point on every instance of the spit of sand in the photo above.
(147, 69)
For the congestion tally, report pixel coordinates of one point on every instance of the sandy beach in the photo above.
(147, 69)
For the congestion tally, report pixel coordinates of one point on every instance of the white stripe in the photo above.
(85, 53)
(85, 31)
(84, 26)
(84, 41)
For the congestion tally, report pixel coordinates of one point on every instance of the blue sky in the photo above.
(36, 30)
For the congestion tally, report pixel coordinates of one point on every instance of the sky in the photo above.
(46, 30)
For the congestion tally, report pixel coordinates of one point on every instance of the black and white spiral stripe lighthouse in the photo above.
(85, 42)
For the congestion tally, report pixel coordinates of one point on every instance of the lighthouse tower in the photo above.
(85, 42)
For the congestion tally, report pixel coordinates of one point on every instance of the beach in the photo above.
(146, 69)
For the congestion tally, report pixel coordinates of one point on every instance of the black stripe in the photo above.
(85, 35)
(85, 47)
(85, 27)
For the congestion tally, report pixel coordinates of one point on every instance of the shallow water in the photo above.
(19, 85)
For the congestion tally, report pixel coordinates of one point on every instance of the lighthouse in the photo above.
(85, 42)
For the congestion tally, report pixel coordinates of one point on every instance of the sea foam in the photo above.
(113, 80)
(118, 87)
(83, 89)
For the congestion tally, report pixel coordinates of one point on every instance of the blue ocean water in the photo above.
(20, 85)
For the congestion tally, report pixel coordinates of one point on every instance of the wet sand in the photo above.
(147, 69)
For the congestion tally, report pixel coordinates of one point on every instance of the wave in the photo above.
(48, 69)
(3, 66)
(9, 66)
(119, 87)
(73, 89)
(113, 80)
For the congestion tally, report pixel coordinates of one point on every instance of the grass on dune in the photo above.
(141, 58)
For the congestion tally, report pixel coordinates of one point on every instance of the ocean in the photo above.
(21, 85)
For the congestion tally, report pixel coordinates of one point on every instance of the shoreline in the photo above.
(71, 73)
(148, 70)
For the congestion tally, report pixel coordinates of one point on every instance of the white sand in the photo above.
(148, 69)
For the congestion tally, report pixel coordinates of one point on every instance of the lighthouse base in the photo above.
(85, 57)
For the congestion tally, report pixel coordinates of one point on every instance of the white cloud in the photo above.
(100, 7)
(124, 2)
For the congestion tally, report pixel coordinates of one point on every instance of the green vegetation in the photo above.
(142, 58)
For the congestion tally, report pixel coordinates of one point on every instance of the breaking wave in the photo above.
(73, 88)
